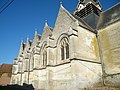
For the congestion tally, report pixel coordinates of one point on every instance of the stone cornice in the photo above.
(59, 64)
(85, 60)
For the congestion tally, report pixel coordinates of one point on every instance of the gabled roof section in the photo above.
(91, 20)
(22, 47)
(37, 37)
(28, 44)
(108, 17)
(46, 31)
(65, 18)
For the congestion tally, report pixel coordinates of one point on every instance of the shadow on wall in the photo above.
(17, 87)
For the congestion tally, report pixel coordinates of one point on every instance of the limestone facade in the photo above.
(72, 55)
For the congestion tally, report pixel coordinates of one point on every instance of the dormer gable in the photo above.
(36, 39)
(65, 20)
(28, 45)
(46, 31)
(22, 47)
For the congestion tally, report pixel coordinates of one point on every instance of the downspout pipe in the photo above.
(101, 58)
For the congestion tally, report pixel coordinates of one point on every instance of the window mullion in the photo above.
(65, 52)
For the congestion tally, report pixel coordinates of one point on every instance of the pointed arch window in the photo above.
(32, 59)
(64, 49)
(44, 55)
(67, 50)
(62, 52)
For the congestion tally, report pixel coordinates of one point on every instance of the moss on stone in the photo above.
(95, 45)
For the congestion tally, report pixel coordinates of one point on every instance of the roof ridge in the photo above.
(68, 12)
(110, 7)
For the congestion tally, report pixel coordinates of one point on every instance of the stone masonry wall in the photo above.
(110, 48)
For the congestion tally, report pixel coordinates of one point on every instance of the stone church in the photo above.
(81, 51)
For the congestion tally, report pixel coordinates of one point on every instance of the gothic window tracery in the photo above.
(67, 50)
(31, 60)
(64, 49)
(44, 55)
(62, 52)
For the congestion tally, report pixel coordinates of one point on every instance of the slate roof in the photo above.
(83, 23)
(91, 20)
(46, 31)
(109, 16)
